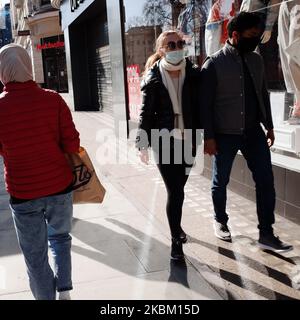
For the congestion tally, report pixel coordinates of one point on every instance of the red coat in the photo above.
(36, 129)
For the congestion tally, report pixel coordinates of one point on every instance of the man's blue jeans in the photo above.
(254, 147)
(37, 222)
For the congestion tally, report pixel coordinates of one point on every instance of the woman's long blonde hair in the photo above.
(158, 45)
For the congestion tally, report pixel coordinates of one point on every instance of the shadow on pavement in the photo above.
(179, 271)
(253, 264)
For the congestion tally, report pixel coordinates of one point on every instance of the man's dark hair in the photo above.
(244, 21)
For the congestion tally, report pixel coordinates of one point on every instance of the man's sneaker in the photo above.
(176, 251)
(270, 242)
(221, 231)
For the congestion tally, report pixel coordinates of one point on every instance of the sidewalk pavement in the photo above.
(121, 248)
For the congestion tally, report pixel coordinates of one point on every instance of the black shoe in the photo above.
(270, 242)
(176, 251)
(221, 231)
(183, 237)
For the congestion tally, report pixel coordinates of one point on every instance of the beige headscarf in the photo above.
(15, 64)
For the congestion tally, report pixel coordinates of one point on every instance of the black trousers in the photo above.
(175, 174)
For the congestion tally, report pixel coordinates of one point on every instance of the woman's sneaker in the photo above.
(183, 236)
(64, 295)
(176, 250)
(221, 231)
(270, 242)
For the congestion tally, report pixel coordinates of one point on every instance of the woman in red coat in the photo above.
(36, 133)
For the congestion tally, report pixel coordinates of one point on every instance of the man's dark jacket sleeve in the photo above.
(267, 103)
(208, 85)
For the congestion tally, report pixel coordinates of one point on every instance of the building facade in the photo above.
(36, 26)
(140, 42)
(94, 37)
(5, 26)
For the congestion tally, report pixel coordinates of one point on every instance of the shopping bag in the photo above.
(87, 188)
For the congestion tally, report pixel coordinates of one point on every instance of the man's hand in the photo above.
(210, 147)
(144, 156)
(270, 137)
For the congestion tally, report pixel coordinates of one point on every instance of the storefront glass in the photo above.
(203, 23)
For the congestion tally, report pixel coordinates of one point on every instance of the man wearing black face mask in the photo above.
(235, 104)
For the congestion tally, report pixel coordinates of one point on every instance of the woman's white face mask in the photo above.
(175, 57)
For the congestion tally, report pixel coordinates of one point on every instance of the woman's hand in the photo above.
(144, 156)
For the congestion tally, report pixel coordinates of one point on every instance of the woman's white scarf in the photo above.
(176, 98)
(15, 64)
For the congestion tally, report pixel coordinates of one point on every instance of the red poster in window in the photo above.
(134, 91)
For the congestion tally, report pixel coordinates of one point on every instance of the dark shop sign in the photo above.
(75, 4)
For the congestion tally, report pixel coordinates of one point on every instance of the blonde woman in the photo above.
(168, 120)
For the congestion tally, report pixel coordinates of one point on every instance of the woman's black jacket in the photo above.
(157, 110)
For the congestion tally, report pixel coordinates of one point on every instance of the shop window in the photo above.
(203, 23)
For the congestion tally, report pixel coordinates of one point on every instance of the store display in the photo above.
(216, 25)
(268, 10)
(289, 46)
(190, 22)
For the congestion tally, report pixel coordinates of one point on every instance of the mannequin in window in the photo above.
(289, 47)
(193, 16)
(216, 26)
(268, 10)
